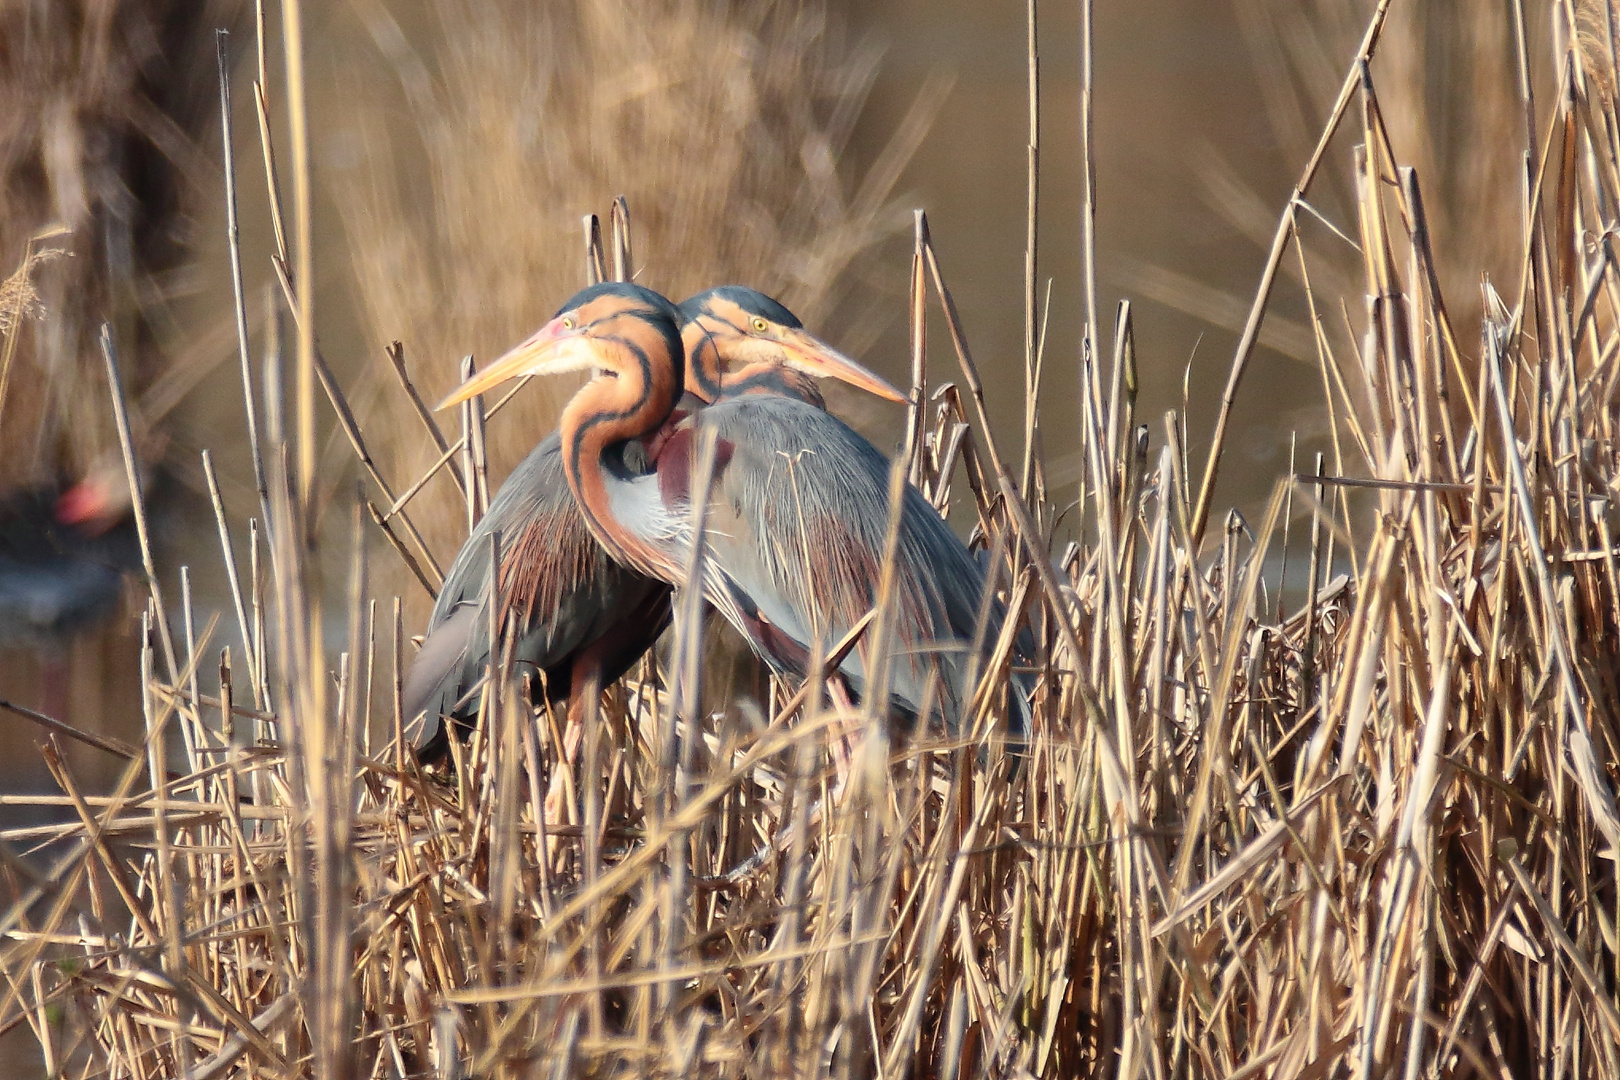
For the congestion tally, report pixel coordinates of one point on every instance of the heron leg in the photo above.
(847, 737)
(585, 679)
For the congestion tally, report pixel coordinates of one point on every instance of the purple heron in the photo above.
(798, 514)
(580, 618)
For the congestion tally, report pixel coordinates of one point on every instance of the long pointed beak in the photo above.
(822, 360)
(551, 349)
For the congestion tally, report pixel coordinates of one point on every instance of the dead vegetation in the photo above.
(724, 126)
(1373, 836)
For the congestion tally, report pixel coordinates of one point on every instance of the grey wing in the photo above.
(457, 638)
(560, 590)
(798, 525)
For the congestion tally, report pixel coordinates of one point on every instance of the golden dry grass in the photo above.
(723, 126)
(1376, 836)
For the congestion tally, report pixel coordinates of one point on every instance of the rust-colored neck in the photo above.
(705, 367)
(634, 401)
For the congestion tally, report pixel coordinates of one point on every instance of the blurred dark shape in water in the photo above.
(63, 557)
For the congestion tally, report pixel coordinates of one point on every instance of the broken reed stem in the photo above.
(108, 743)
(1239, 837)
(913, 448)
(396, 357)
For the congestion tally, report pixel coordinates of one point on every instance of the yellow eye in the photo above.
(568, 322)
(760, 325)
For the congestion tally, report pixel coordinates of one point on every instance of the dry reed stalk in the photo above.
(722, 126)
(1372, 837)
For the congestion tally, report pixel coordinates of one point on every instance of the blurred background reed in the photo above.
(105, 184)
(456, 146)
(802, 134)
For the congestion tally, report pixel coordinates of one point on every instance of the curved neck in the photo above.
(705, 367)
(609, 411)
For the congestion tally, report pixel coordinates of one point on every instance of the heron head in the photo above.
(740, 326)
(608, 328)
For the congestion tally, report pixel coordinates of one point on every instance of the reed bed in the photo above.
(564, 107)
(1370, 832)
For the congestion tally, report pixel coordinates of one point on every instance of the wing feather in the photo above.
(797, 525)
(563, 591)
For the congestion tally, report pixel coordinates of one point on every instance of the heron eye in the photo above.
(760, 325)
(568, 322)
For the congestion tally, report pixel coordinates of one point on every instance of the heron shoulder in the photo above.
(534, 490)
(767, 426)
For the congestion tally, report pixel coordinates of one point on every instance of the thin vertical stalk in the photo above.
(137, 494)
(1031, 264)
(304, 257)
(238, 294)
(1088, 214)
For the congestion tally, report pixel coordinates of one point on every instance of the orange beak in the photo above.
(815, 357)
(552, 349)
